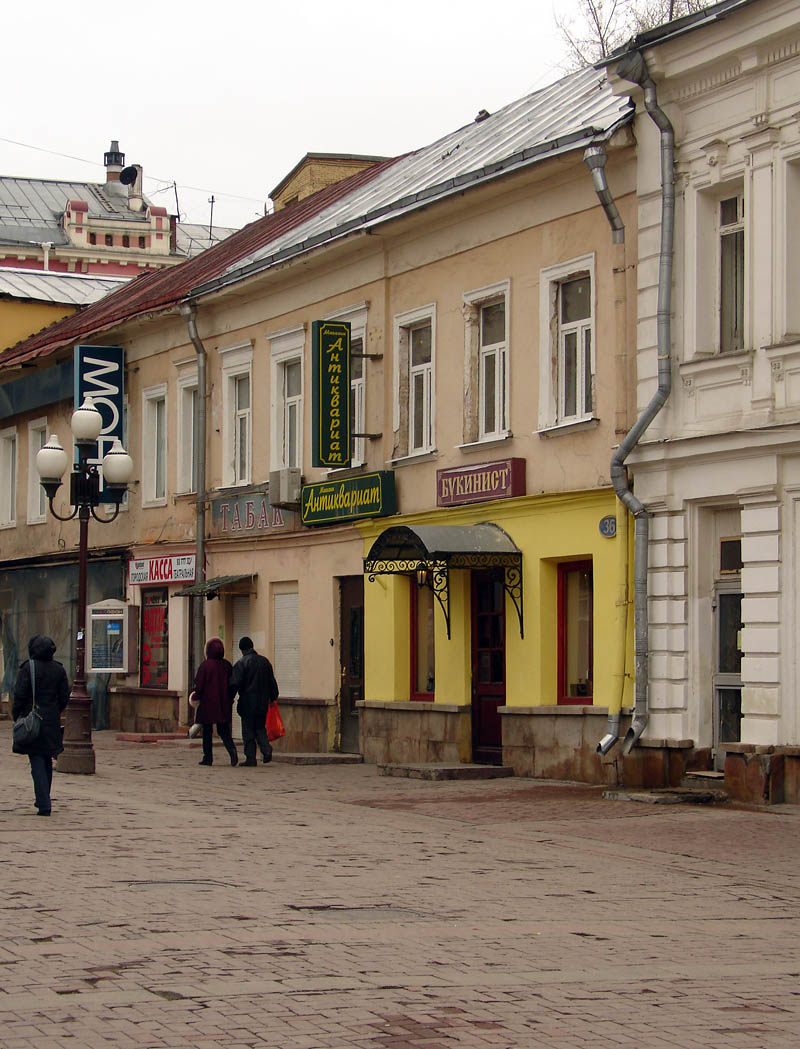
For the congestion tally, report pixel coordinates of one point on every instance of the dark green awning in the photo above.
(211, 587)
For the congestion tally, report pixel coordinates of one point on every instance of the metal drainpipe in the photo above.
(595, 158)
(633, 68)
(189, 313)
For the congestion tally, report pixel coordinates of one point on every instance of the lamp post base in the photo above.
(78, 753)
(77, 758)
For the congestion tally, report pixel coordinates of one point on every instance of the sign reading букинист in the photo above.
(330, 354)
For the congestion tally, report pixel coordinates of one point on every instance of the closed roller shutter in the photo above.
(286, 617)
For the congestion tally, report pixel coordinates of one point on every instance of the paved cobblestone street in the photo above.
(314, 907)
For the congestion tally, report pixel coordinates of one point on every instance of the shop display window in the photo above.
(155, 637)
(575, 632)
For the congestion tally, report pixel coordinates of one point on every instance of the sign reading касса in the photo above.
(371, 495)
(330, 353)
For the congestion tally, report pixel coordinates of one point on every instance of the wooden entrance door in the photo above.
(488, 666)
(351, 658)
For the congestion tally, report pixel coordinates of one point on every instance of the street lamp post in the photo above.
(117, 466)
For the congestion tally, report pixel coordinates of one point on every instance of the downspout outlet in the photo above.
(612, 735)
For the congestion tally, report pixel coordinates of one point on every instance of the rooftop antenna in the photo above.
(177, 205)
(211, 218)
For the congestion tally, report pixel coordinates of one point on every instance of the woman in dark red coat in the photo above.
(214, 702)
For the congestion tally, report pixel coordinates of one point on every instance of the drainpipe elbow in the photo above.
(612, 735)
(634, 733)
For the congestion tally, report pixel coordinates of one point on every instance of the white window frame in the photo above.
(721, 232)
(551, 415)
(9, 474)
(37, 499)
(237, 363)
(187, 399)
(356, 316)
(475, 431)
(151, 397)
(703, 292)
(403, 415)
(286, 347)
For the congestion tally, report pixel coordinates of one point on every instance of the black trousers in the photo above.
(224, 733)
(254, 732)
(42, 775)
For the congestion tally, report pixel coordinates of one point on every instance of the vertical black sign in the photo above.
(330, 347)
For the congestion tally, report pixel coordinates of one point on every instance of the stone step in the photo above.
(668, 795)
(443, 771)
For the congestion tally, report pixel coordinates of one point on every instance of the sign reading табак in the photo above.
(371, 495)
(475, 484)
(330, 352)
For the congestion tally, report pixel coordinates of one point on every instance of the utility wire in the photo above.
(154, 178)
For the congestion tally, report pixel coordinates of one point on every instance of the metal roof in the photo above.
(73, 289)
(401, 543)
(570, 113)
(565, 116)
(31, 208)
(193, 237)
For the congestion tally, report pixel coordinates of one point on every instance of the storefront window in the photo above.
(155, 648)
(575, 632)
(422, 647)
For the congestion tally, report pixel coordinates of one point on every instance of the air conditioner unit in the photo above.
(284, 488)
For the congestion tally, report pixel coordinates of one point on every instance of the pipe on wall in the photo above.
(633, 68)
(189, 313)
(595, 158)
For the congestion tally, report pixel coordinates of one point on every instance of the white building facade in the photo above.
(719, 468)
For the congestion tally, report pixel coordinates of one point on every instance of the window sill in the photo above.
(36, 520)
(418, 457)
(714, 362)
(486, 442)
(573, 427)
(8, 524)
(346, 471)
(150, 503)
(233, 487)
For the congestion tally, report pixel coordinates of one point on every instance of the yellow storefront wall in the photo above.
(548, 529)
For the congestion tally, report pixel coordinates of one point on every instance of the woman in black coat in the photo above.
(52, 696)
(214, 701)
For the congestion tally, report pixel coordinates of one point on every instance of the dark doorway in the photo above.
(351, 658)
(488, 665)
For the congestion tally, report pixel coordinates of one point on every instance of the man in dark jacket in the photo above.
(50, 689)
(254, 680)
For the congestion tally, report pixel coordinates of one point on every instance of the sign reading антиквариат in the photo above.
(330, 355)
(371, 495)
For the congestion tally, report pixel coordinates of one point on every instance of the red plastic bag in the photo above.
(275, 727)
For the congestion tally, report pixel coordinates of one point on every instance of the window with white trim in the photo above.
(237, 416)
(286, 363)
(356, 317)
(486, 364)
(187, 433)
(37, 499)
(154, 445)
(566, 346)
(415, 387)
(730, 219)
(8, 477)
(716, 308)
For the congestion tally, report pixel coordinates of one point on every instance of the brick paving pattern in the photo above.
(166, 905)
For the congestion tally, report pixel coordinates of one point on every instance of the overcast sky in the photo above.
(224, 99)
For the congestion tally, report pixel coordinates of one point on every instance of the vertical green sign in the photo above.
(330, 343)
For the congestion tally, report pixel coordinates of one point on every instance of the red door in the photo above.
(488, 666)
